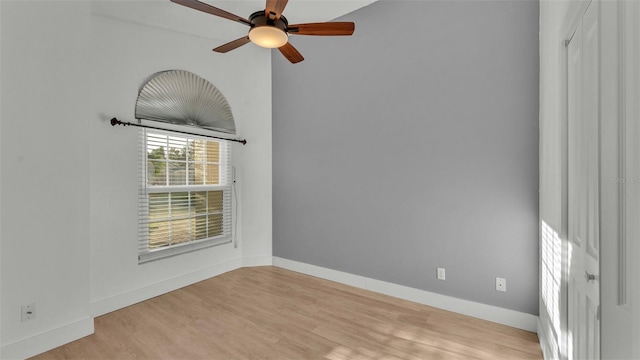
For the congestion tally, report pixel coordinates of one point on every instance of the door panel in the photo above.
(576, 197)
(583, 188)
(590, 116)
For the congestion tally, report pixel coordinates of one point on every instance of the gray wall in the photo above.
(414, 145)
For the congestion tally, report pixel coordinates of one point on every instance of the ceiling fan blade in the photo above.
(291, 53)
(323, 29)
(275, 7)
(197, 5)
(232, 45)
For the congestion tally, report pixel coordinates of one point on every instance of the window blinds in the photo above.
(184, 194)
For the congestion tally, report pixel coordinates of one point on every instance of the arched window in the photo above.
(185, 180)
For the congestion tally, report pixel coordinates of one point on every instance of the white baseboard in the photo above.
(496, 314)
(251, 261)
(48, 340)
(101, 307)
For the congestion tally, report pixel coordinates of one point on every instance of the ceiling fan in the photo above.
(269, 29)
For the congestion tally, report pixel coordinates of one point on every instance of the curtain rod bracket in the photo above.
(115, 122)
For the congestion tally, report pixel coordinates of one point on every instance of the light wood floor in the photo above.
(272, 313)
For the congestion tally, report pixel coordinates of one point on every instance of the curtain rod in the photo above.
(115, 122)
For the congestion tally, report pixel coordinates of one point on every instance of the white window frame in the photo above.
(145, 254)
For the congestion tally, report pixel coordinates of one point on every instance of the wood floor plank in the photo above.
(272, 313)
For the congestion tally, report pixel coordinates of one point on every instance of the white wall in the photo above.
(65, 72)
(123, 55)
(45, 172)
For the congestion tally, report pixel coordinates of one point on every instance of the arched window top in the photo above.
(183, 98)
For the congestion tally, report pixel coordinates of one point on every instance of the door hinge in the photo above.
(598, 313)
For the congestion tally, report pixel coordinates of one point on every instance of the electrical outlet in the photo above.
(501, 284)
(441, 274)
(28, 312)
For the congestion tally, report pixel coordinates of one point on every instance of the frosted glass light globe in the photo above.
(268, 36)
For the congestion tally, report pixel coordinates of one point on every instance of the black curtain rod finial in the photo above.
(115, 122)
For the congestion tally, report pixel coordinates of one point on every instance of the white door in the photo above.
(583, 186)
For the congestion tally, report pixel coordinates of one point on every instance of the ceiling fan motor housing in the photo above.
(258, 18)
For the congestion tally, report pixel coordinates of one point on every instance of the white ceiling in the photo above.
(167, 15)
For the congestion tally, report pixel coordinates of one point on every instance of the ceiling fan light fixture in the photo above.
(269, 29)
(268, 36)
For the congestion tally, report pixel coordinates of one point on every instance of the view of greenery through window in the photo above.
(191, 211)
